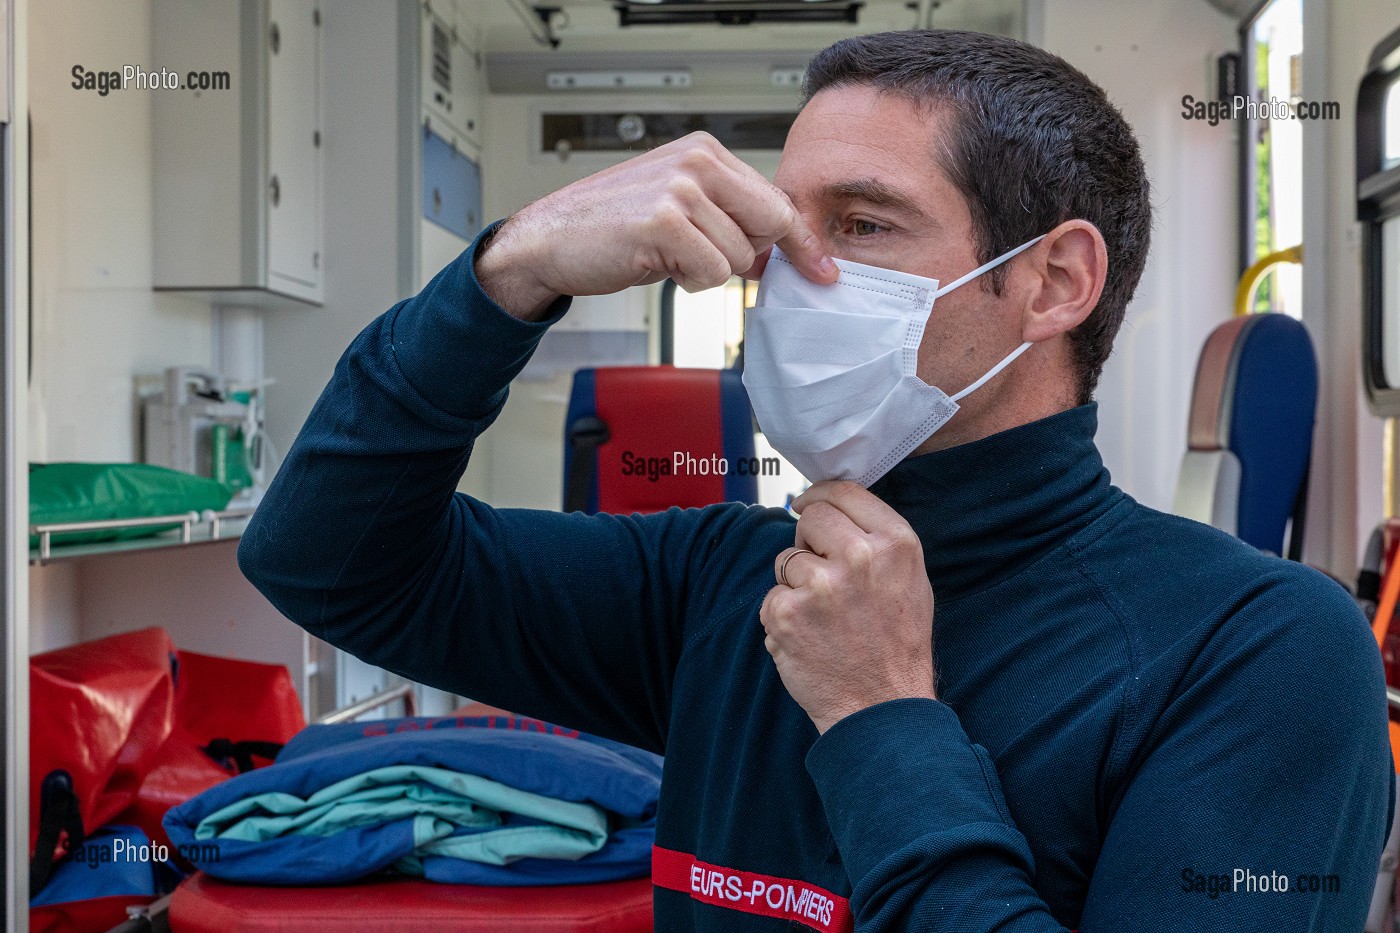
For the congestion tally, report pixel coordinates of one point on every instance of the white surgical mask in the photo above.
(832, 370)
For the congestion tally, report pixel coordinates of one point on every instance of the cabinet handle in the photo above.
(274, 38)
(274, 190)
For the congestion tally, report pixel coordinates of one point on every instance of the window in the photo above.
(1390, 295)
(1378, 210)
(1391, 122)
(707, 327)
(1274, 152)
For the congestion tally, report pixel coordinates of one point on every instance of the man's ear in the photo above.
(1067, 280)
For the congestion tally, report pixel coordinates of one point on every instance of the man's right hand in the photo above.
(689, 210)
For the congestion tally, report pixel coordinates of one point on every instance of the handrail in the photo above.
(1244, 293)
(216, 519)
(185, 520)
(46, 531)
(373, 701)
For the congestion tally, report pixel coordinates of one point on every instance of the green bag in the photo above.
(81, 492)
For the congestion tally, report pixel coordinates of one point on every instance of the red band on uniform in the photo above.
(751, 892)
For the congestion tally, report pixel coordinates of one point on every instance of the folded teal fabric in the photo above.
(441, 804)
(482, 800)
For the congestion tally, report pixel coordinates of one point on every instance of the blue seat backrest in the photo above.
(1274, 396)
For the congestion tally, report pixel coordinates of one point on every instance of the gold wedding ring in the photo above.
(782, 567)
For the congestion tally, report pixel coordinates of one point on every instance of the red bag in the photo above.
(124, 728)
(98, 714)
(225, 698)
(97, 913)
(238, 711)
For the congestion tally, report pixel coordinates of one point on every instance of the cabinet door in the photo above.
(294, 148)
(468, 79)
(437, 60)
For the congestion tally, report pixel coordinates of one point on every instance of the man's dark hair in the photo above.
(1033, 143)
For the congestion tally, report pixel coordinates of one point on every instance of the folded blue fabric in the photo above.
(463, 800)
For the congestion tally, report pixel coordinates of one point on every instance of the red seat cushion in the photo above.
(655, 413)
(408, 905)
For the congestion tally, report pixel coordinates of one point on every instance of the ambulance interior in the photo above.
(184, 266)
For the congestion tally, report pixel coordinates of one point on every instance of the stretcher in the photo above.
(410, 905)
(202, 904)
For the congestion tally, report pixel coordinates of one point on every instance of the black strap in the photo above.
(241, 753)
(586, 435)
(58, 814)
(1300, 515)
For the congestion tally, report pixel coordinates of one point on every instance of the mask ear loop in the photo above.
(980, 270)
(993, 371)
(987, 267)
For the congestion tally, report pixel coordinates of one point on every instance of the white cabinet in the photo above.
(238, 153)
(294, 147)
(452, 73)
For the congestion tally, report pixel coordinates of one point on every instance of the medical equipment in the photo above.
(205, 424)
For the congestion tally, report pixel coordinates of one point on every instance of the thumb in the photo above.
(805, 251)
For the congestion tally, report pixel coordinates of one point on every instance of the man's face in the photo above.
(860, 166)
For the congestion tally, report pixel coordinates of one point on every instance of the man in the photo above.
(1134, 723)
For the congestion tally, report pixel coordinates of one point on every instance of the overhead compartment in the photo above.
(238, 158)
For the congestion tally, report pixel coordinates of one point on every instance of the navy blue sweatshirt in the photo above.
(1143, 724)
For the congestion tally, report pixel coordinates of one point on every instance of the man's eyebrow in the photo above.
(872, 191)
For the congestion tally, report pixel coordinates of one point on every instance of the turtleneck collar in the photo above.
(987, 509)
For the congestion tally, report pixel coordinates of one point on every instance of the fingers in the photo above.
(828, 531)
(690, 257)
(779, 615)
(796, 566)
(764, 212)
(854, 501)
(721, 230)
(801, 245)
(767, 215)
(760, 263)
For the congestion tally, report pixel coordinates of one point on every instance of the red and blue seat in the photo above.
(645, 438)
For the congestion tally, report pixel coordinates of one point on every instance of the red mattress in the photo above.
(406, 905)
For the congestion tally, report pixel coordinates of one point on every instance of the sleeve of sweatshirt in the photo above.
(363, 540)
(1259, 803)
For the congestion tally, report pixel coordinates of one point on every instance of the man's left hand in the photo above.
(853, 626)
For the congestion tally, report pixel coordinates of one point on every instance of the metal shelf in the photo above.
(207, 527)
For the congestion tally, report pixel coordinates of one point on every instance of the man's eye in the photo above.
(865, 227)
